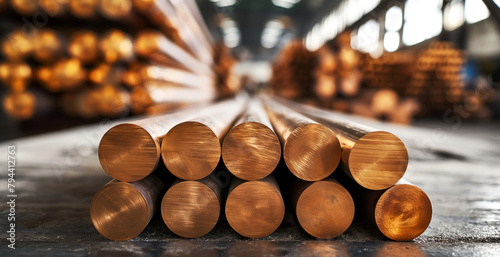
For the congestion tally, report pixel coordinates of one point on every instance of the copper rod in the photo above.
(178, 76)
(311, 151)
(195, 11)
(170, 15)
(20, 105)
(83, 45)
(401, 212)
(116, 46)
(65, 74)
(120, 211)
(16, 46)
(150, 42)
(115, 9)
(192, 149)
(25, 7)
(255, 209)
(191, 209)
(251, 150)
(131, 151)
(324, 208)
(374, 159)
(83, 9)
(15, 76)
(47, 46)
(164, 92)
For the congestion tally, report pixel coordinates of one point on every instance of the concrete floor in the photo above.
(458, 167)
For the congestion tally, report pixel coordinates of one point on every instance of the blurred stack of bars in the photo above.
(92, 59)
(428, 82)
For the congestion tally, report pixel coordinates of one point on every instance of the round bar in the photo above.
(311, 151)
(192, 149)
(374, 159)
(116, 46)
(251, 150)
(83, 45)
(131, 151)
(120, 211)
(402, 212)
(177, 76)
(324, 208)
(191, 209)
(255, 209)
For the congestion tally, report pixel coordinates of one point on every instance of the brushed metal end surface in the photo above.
(403, 212)
(251, 151)
(377, 160)
(119, 211)
(128, 152)
(190, 209)
(255, 209)
(191, 150)
(312, 152)
(325, 209)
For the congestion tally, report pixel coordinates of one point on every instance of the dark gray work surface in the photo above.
(58, 173)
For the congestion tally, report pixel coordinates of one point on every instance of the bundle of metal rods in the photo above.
(396, 86)
(93, 59)
(278, 153)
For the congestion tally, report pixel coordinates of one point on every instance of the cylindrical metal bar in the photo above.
(120, 211)
(251, 150)
(20, 105)
(402, 212)
(324, 208)
(191, 209)
(131, 151)
(150, 42)
(116, 46)
(311, 151)
(192, 149)
(177, 76)
(374, 159)
(16, 46)
(255, 209)
(15, 76)
(115, 9)
(83, 9)
(83, 45)
(47, 46)
(165, 92)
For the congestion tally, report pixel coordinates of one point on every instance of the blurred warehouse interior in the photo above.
(71, 62)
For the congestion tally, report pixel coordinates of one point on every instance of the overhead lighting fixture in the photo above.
(475, 11)
(271, 33)
(224, 3)
(453, 15)
(285, 3)
(231, 32)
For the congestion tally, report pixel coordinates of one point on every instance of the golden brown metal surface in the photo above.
(15, 76)
(83, 45)
(25, 7)
(116, 46)
(151, 42)
(16, 46)
(191, 209)
(65, 74)
(131, 151)
(115, 9)
(84, 9)
(47, 46)
(401, 212)
(192, 149)
(166, 92)
(324, 208)
(255, 209)
(176, 76)
(120, 211)
(311, 151)
(374, 159)
(20, 105)
(251, 150)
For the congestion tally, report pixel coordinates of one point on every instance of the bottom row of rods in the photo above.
(255, 209)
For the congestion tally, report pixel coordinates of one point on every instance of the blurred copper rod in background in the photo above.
(151, 42)
(192, 149)
(120, 211)
(191, 209)
(251, 150)
(311, 151)
(255, 209)
(164, 10)
(177, 76)
(324, 208)
(402, 212)
(374, 159)
(130, 151)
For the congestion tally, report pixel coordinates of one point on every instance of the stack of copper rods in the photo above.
(277, 152)
(130, 56)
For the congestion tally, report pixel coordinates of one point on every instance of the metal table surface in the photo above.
(457, 165)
